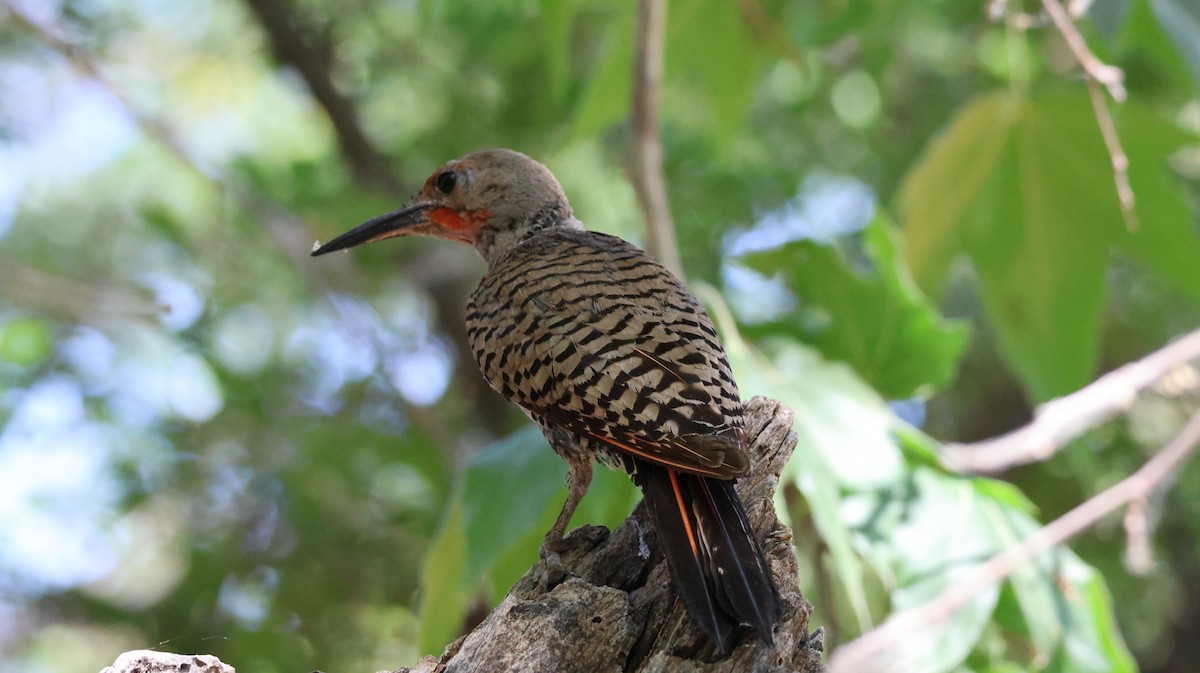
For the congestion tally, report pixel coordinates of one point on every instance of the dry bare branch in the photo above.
(646, 168)
(1116, 153)
(296, 44)
(1059, 421)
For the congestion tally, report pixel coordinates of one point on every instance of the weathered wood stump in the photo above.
(616, 610)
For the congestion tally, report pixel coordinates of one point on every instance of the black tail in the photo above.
(717, 564)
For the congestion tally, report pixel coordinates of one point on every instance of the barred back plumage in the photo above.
(586, 331)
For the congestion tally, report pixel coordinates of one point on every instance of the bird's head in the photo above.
(490, 199)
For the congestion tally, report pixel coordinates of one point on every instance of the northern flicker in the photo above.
(612, 356)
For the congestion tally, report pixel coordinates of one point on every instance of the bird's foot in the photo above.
(555, 570)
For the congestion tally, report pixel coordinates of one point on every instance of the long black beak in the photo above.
(384, 226)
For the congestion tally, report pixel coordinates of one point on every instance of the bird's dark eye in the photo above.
(446, 181)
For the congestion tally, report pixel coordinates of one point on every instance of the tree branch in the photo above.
(1059, 421)
(646, 170)
(873, 651)
(95, 300)
(1116, 153)
(296, 44)
(284, 227)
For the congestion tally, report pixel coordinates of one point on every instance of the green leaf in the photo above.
(1180, 19)
(1165, 239)
(1096, 610)
(710, 48)
(1024, 188)
(941, 528)
(496, 513)
(843, 430)
(878, 321)
(1065, 605)
(606, 97)
(444, 596)
(25, 341)
(508, 497)
(942, 538)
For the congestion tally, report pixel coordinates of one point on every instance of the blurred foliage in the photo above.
(212, 443)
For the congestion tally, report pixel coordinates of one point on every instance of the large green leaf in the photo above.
(711, 49)
(607, 91)
(879, 322)
(1024, 188)
(938, 529)
(507, 498)
(444, 597)
(919, 528)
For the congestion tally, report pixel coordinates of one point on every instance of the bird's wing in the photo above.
(603, 341)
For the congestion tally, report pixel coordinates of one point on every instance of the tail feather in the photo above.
(741, 574)
(714, 558)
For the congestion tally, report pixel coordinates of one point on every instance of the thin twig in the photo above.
(1139, 557)
(874, 651)
(1110, 76)
(1113, 79)
(94, 300)
(1096, 73)
(1116, 153)
(647, 162)
(84, 65)
(1059, 421)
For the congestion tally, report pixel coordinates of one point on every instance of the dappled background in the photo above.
(902, 215)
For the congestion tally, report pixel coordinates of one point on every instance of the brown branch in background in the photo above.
(1059, 421)
(874, 651)
(646, 170)
(297, 45)
(95, 300)
(285, 228)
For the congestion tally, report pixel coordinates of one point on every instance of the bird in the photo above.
(608, 351)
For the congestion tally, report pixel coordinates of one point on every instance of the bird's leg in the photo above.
(579, 477)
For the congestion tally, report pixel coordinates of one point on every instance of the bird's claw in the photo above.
(556, 571)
